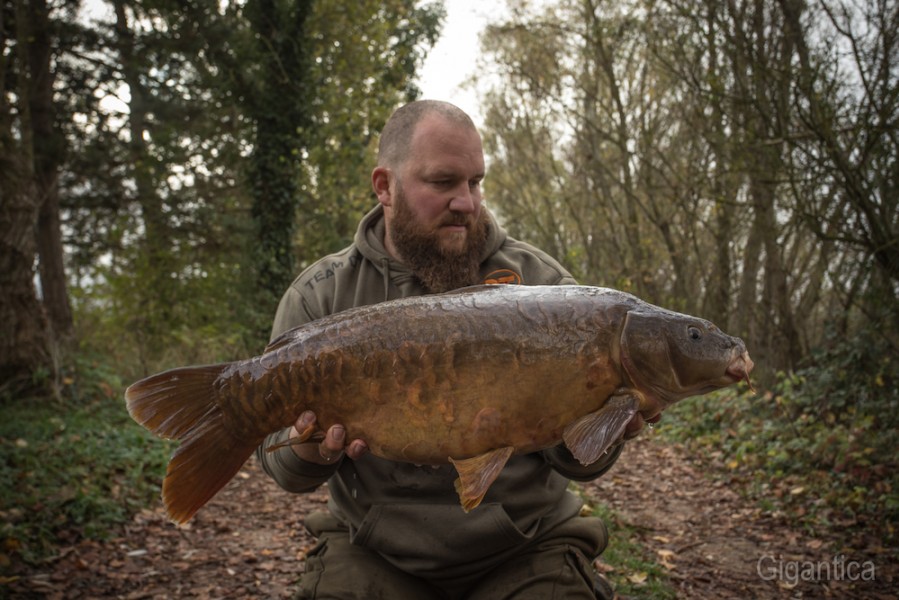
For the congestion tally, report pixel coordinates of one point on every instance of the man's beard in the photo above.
(439, 269)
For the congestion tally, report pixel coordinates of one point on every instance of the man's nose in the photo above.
(464, 200)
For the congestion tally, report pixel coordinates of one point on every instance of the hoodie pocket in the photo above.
(433, 536)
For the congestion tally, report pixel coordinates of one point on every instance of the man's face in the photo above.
(433, 209)
(441, 183)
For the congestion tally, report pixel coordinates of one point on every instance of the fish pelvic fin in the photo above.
(180, 404)
(476, 475)
(591, 436)
(310, 435)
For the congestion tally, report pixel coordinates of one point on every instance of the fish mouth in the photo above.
(739, 369)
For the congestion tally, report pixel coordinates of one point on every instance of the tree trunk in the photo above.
(153, 286)
(48, 151)
(281, 112)
(23, 327)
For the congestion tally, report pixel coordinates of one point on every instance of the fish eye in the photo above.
(694, 333)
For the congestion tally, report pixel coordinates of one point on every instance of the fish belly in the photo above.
(450, 381)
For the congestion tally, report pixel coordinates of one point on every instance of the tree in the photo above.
(201, 136)
(327, 76)
(48, 151)
(848, 132)
(278, 101)
(31, 152)
(23, 349)
(732, 159)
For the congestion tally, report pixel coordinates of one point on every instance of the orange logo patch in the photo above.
(503, 276)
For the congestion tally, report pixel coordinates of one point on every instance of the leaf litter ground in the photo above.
(249, 542)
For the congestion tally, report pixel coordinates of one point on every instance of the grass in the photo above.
(71, 471)
(628, 565)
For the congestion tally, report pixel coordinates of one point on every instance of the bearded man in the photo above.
(396, 530)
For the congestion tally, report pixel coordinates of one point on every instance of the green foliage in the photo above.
(142, 328)
(72, 470)
(820, 445)
(257, 125)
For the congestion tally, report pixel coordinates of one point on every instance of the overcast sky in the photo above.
(453, 60)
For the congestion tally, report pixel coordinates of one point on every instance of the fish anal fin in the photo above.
(591, 436)
(477, 473)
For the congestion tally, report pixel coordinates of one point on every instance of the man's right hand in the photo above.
(331, 448)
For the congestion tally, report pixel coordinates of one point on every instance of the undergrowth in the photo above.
(72, 467)
(819, 446)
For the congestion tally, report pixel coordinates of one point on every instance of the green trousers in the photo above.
(558, 565)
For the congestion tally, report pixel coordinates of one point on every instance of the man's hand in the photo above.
(331, 448)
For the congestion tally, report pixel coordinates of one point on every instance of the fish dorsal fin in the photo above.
(591, 436)
(476, 474)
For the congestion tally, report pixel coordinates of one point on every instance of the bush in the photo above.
(72, 469)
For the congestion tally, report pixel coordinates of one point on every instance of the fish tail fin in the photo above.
(180, 404)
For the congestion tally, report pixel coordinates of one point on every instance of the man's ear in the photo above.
(380, 183)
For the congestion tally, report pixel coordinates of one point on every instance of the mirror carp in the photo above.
(468, 377)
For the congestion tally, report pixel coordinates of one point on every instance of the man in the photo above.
(396, 530)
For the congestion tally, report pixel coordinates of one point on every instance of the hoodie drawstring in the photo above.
(385, 263)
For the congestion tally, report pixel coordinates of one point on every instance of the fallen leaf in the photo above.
(786, 585)
(638, 578)
(666, 558)
(603, 567)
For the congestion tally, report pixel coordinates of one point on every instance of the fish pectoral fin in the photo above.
(591, 436)
(476, 474)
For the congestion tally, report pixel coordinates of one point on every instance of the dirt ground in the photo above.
(715, 544)
(249, 542)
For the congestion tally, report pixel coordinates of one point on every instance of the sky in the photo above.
(453, 60)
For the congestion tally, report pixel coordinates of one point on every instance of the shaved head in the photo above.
(396, 137)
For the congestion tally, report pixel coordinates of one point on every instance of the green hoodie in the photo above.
(411, 514)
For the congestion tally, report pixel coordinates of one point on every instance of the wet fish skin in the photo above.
(469, 377)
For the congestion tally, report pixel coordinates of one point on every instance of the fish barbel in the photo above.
(469, 377)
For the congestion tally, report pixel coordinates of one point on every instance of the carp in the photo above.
(468, 377)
